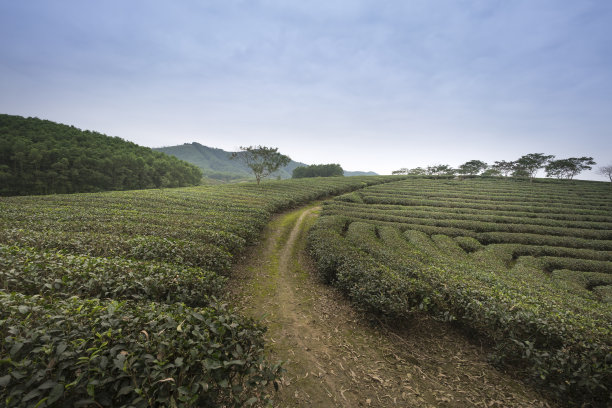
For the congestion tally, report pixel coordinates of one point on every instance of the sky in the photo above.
(372, 85)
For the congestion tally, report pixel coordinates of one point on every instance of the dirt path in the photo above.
(335, 357)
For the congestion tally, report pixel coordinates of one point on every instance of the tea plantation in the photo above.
(116, 299)
(525, 267)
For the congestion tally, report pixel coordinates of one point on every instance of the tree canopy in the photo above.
(43, 157)
(262, 160)
(568, 168)
(440, 170)
(318, 170)
(472, 168)
(525, 166)
(504, 168)
(529, 164)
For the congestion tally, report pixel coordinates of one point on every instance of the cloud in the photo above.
(424, 81)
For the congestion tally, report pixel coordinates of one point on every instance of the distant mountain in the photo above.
(359, 173)
(216, 163)
(43, 157)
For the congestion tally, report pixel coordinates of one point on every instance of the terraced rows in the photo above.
(525, 265)
(110, 299)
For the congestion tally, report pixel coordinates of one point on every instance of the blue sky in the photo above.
(372, 85)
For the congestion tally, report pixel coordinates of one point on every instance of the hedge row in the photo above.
(52, 273)
(163, 252)
(509, 197)
(414, 201)
(523, 265)
(478, 226)
(349, 201)
(560, 341)
(477, 216)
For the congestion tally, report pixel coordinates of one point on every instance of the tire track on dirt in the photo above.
(333, 355)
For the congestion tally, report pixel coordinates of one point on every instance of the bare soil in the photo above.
(335, 356)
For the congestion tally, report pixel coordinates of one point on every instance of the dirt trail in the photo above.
(335, 357)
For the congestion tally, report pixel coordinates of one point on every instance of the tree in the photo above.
(529, 164)
(568, 168)
(43, 157)
(492, 172)
(417, 171)
(440, 170)
(318, 170)
(472, 168)
(262, 160)
(403, 170)
(505, 168)
(606, 171)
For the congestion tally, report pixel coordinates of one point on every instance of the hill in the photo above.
(216, 164)
(142, 270)
(43, 157)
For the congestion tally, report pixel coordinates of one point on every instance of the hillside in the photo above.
(113, 296)
(524, 266)
(43, 157)
(215, 163)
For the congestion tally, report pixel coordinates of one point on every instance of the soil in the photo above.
(335, 356)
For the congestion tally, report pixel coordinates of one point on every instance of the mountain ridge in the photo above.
(215, 163)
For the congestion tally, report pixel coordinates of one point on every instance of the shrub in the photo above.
(75, 352)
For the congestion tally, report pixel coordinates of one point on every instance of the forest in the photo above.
(43, 157)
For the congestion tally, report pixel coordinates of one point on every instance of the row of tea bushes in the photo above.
(540, 298)
(110, 299)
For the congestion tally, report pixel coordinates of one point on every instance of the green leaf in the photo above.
(212, 365)
(56, 393)
(125, 390)
(4, 381)
(15, 349)
(233, 362)
(47, 384)
(31, 395)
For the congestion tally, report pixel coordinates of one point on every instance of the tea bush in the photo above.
(85, 352)
(525, 266)
(97, 290)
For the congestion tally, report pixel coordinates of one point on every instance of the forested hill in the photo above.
(43, 157)
(215, 163)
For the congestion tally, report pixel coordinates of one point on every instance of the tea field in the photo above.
(525, 267)
(117, 299)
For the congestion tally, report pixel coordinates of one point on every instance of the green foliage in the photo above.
(217, 164)
(503, 167)
(60, 274)
(472, 168)
(76, 352)
(528, 270)
(440, 170)
(318, 170)
(160, 255)
(43, 157)
(568, 168)
(529, 164)
(262, 160)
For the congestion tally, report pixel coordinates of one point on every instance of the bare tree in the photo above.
(606, 171)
